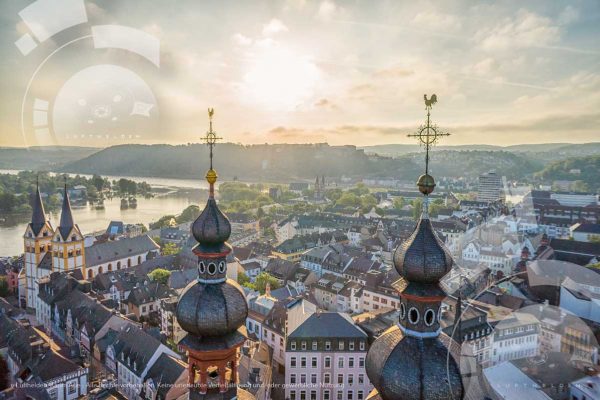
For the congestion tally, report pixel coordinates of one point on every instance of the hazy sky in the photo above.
(345, 72)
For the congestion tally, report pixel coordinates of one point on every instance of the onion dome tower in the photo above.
(212, 309)
(409, 361)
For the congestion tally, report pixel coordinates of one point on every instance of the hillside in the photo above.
(288, 162)
(544, 152)
(586, 169)
(42, 158)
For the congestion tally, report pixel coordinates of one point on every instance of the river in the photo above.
(181, 193)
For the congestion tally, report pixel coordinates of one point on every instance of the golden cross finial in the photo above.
(428, 134)
(211, 137)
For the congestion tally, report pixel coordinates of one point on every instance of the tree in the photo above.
(261, 282)
(243, 279)
(7, 202)
(3, 286)
(170, 249)
(98, 182)
(189, 214)
(160, 275)
(399, 203)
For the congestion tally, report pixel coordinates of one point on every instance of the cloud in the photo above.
(325, 103)
(436, 21)
(327, 9)
(568, 15)
(484, 67)
(241, 40)
(526, 29)
(273, 27)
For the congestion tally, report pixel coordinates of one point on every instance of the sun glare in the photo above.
(279, 79)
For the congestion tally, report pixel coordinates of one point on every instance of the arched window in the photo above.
(110, 267)
(139, 260)
(129, 263)
(118, 264)
(90, 274)
(100, 269)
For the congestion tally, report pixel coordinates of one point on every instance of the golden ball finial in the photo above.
(211, 176)
(426, 184)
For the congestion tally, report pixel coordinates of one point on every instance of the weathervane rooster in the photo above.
(430, 102)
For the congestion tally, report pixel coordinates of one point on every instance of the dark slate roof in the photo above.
(180, 279)
(588, 228)
(327, 325)
(38, 216)
(572, 246)
(66, 216)
(165, 372)
(124, 280)
(100, 253)
(135, 345)
(46, 262)
(281, 269)
(149, 292)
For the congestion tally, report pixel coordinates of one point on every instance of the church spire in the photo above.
(66, 215)
(38, 215)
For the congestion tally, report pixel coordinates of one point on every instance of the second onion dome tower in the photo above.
(409, 361)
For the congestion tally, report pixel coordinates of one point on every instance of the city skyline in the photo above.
(277, 72)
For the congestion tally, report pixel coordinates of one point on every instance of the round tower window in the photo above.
(221, 267)
(201, 267)
(429, 317)
(402, 311)
(413, 316)
(212, 268)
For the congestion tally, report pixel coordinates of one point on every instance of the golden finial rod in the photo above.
(211, 139)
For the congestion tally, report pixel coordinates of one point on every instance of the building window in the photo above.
(341, 345)
(350, 379)
(361, 379)
(293, 378)
(328, 345)
(302, 378)
(303, 346)
(351, 346)
(303, 362)
(314, 345)
(293, 361)
(293, 345)
(293, 395)
(327, 378)
(314, 362)
(313, 378)
(340, 395)
(341, 362)
(361, 362)
(351, 362)
(360, 395)
(340, 379)
(313, 395)
(350, 395)
(327, 362)
(326, 395)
